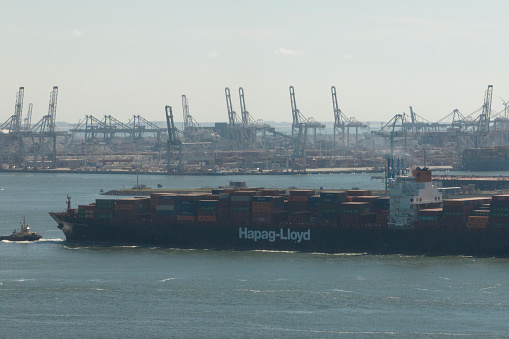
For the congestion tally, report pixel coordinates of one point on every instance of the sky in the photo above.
(125, 58)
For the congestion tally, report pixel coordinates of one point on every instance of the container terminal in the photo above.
(243, 144)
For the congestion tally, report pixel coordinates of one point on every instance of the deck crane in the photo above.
(174, 142)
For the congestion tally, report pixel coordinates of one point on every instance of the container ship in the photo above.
(413, 219)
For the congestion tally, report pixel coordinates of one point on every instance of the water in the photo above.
(51, 289)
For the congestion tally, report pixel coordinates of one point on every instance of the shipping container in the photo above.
(352, 193)
(244, 193)
(207, 218)
(239, 198)
(186, 218)
(306, 193)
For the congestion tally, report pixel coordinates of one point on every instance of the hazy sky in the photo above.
(125, 58)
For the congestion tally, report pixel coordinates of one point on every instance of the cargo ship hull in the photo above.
(285, 236)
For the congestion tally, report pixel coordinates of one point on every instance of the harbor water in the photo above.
(53, 289)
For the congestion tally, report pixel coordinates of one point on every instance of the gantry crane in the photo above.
(192, 131)
(44, 134)
(13, 137)
(28, 119)
(174, 142)
(483, 123)
(342, 122)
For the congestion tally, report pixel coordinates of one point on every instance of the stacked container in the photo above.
(298, 201)
(264, 207)
(477, 221)
(354, 213)
(330, 205)
(371, 199)
(240, 207)
(354, 193)
(429, 219)
(86, 211)
(223, 207)
(104, 209)
(299, 217)
(207, 210)
(269, 192)
(187, 206)
(457, 211)
(499, 212)
(164, 205)
(127, 208)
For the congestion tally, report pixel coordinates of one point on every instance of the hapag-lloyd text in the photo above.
(282, 234)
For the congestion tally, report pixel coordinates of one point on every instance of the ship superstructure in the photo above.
(409, 194)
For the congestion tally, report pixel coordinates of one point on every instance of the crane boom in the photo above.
(232, 116)
(18, 110)
(185, 113)
(172, 132)
(52, 110)
(483, 124)
(243, 111)
(295, 111)
(28, 119)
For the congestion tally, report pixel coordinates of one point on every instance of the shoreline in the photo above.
(338, 170)
(313, 171)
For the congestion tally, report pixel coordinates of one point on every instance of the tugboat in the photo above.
(23, 235)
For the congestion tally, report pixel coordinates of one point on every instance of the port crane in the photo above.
(141, 126)
(13, 124)
(192, 131)
(27, 121)
(252, 126)
(300, 126)
(246, 117)
(342, 122)
(395, 128)
(235, 126)
(233, 119)
(44, 134)
(13, 127)
(174, 142)
(483, 122)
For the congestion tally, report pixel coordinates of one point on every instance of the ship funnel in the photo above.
(422, 174)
